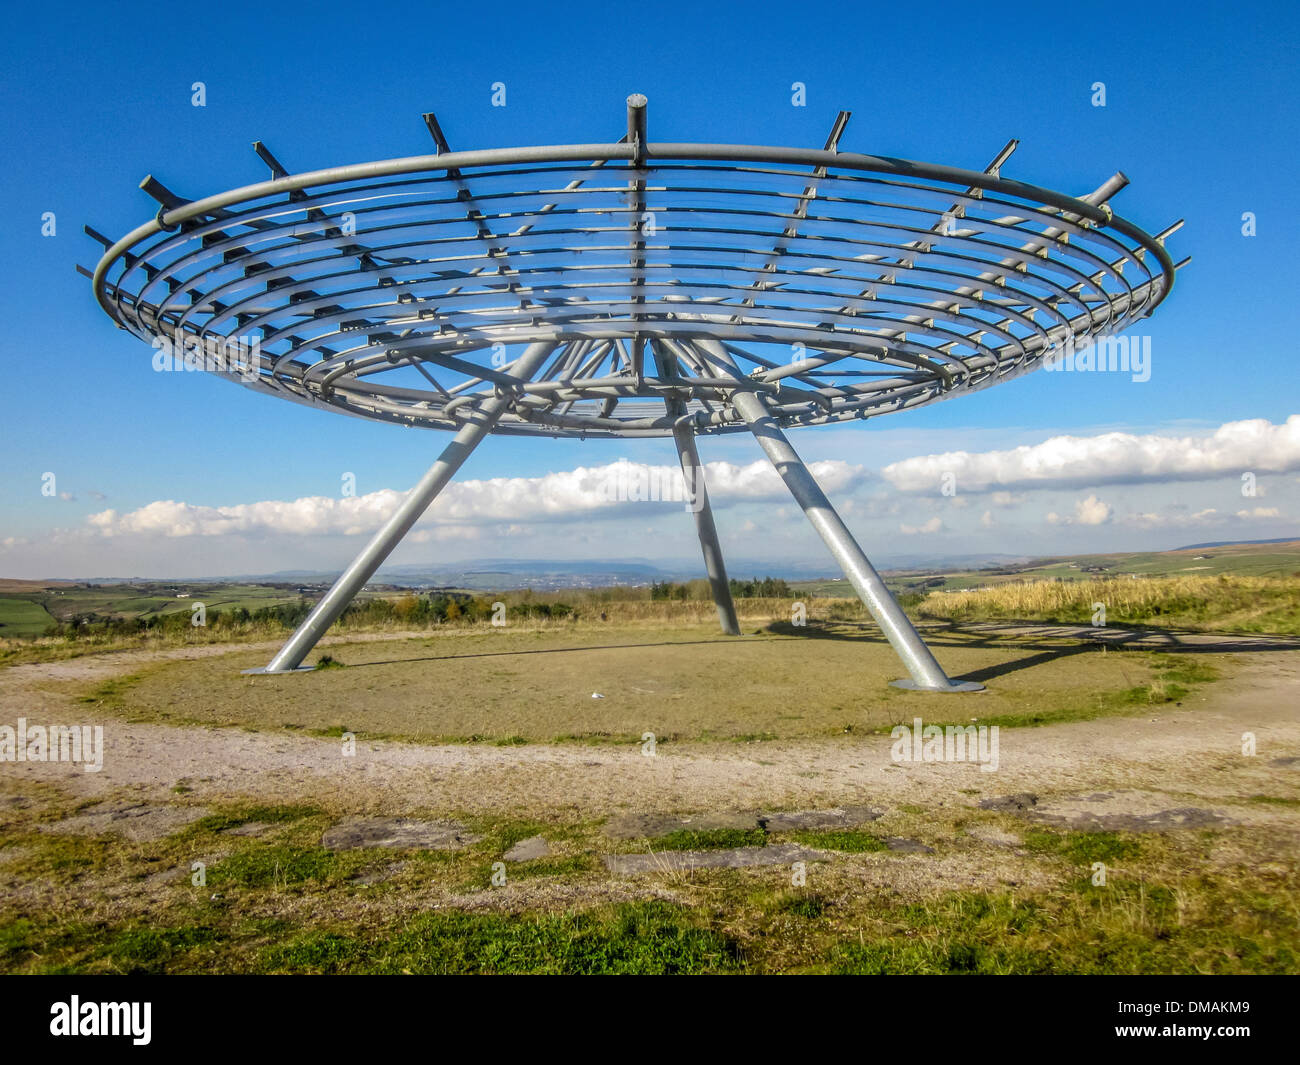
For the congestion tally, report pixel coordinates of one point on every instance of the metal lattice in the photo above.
(842, 285)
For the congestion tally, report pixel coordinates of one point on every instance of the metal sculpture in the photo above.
(631, 289)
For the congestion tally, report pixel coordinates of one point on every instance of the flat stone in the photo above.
(838, 817)
(396, 833)
(1157, 821)
(1023, 800)
(1285, 762)
(528, 850)
(648, 826)
(138, 821)
(735, 858)
(1125, 811)
(907, 846)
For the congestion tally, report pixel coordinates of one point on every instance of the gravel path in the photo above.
(1193, 751)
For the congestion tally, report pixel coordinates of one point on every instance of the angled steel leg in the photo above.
(417, 501)
(693, 471)
(927, 674)
(708, 532)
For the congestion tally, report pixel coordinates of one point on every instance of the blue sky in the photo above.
(1201, 114)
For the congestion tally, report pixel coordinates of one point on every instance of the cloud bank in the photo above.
(564, 496)
(1255, 446)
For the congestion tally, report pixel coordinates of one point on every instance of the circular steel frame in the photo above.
(840, 285)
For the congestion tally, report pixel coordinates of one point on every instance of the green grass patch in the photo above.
(1083, 848)
(23, 617)
(1125, 928)
(92, 947)
(686, 839)
(847, 841)
(808, 906)
(277, 866)
(233, 817)
(648, 938)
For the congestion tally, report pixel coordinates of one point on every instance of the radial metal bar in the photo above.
(926, 673)
(479, 422)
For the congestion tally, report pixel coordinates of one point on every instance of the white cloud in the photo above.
(1174, 520)
(931, 526)
(1090, 511)
(1112, 458)
(562, 496)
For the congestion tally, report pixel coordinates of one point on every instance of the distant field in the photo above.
(142, 601)
(22, 617)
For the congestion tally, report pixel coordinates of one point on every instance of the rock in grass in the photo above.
(528, 850)
(138, 821)
(736, 858)
(397, 833)
(907, 846)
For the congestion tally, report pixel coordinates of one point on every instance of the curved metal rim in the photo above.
(167, 220)
(1009, 359)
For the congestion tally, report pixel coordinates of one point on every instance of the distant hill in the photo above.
(1238, 543)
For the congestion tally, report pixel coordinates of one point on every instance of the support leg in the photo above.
(693, 471)
(353, 579)
(926, 673)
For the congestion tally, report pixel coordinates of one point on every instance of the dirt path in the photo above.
(1143, 763)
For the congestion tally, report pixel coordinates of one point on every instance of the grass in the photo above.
(1220, 900)
(1084, 848)
(848, 842)
(279, 866)
(1219, 604)
(23, 617)
(1127, 928)
(730, 922)
(533, 685)
(685, 839)
(654, 937)
(1215, 900)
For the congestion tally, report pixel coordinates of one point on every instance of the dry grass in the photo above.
(1221, 604)
(590, 608)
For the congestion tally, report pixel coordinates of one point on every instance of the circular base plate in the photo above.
(955, 686)
(277, 672)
